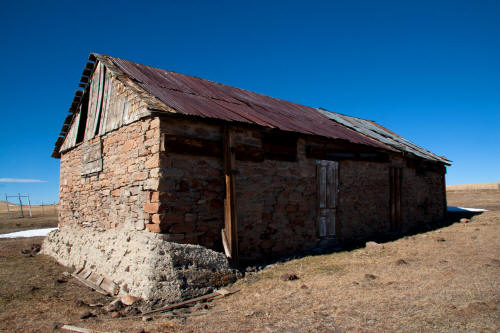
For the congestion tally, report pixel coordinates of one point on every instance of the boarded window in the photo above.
(91, 159)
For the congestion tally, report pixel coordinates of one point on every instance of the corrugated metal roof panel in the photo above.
(194, 96)
(382, 134)
(198, 97)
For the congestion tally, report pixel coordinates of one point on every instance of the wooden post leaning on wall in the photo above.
(230, 220)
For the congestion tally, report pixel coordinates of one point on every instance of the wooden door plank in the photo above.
(327, 183)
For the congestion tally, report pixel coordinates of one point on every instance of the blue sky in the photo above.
(428, 70)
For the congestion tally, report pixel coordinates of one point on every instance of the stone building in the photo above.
(147, 150)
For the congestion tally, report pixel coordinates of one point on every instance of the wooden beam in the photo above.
(231, 225)
(191, 146)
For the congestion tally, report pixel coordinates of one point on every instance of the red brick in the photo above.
(155, 197)
(151, 208)
(153, 227)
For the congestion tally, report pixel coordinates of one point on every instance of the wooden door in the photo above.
(395, 177)
(327, 173)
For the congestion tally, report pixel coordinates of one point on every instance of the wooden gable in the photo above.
(106, 105)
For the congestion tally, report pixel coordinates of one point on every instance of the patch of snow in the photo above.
(28, 233)
(454, 209)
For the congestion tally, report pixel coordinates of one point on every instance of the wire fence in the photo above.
(20, 206)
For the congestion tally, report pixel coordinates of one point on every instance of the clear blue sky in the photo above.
(429, 70)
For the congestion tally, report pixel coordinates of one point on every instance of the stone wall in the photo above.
(275, 199)
(144, 184)
(364, 197)
(422, 197)
(116, 195)
(363, 204)
(276, 206)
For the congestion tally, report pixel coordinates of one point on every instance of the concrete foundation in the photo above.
(142, 264)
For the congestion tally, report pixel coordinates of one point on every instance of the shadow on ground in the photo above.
(451, 218)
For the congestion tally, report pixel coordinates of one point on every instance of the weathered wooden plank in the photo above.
(231, 223)
(206, 147)
(109, 98)
(344, 152)
(116, 114)
(126, 116)
(327, 182)
(89, 284)
(193, 300)
(70, 140)
(227, 252)
(100, 97)
(322, 184)
(75, 329)
(109, 286)
(111, 109)
(249, 153)
(92, 106)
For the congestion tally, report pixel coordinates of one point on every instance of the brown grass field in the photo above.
(446, 279)
(43, 217)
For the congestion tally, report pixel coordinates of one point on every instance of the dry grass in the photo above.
(450, 285)
(43, 217)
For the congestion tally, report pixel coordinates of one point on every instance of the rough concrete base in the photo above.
(142, 264)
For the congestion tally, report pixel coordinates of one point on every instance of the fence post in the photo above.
(20, 204)
(29, 205)
(7, 203)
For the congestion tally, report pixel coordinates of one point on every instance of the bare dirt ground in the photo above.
(447, 279)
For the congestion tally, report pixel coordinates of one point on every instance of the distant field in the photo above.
(494, 186)
(43, 217)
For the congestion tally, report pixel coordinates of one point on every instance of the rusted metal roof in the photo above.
(198, 97)
(194, 96)
(382, 134)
